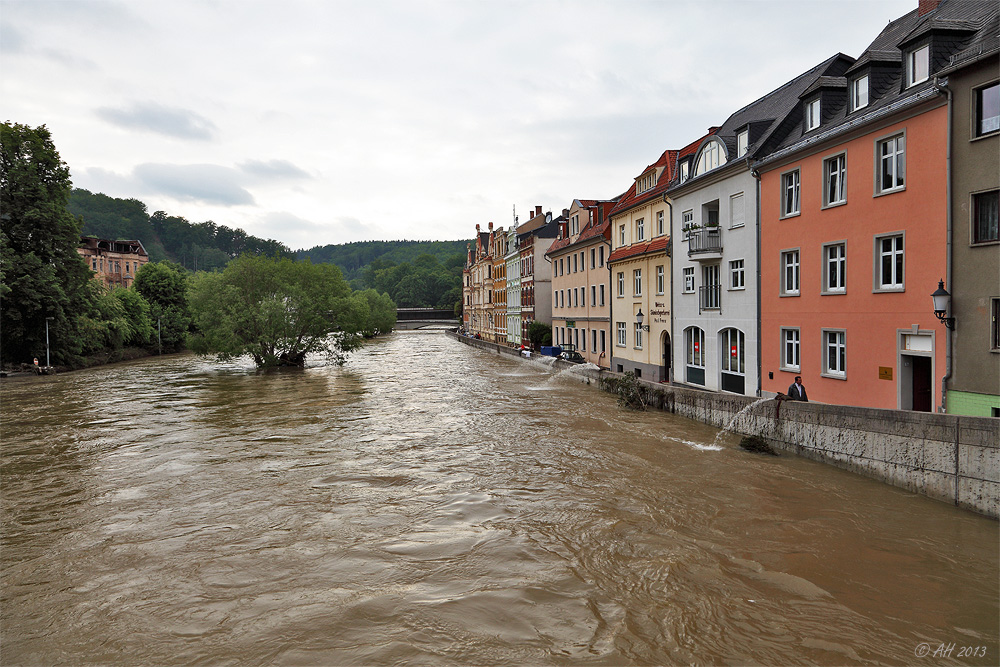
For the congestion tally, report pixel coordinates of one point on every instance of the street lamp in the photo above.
(942, 299)
(639, 317)
(47, 361)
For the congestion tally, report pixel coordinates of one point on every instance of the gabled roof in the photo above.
(631, 199)
(771, 116)
(891, 97)
(594, 228)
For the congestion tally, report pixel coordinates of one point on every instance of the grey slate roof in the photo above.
(976, 24)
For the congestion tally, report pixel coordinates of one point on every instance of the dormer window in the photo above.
(711, 157)
(859, 93)
(812, 115)
(742, 140)
(645, 182)
(684, 171)
(918, 65)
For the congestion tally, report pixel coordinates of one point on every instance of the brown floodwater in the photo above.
(431, 504)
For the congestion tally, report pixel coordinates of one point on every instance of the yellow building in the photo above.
(114, 262)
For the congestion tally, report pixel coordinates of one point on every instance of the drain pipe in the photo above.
(760, 366)
(949, 333)
(669, 251)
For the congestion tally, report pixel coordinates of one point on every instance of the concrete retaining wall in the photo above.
(947, 457)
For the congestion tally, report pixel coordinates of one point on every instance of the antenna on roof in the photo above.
(515, 214)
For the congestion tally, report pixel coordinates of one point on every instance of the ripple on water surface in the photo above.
(430, 503)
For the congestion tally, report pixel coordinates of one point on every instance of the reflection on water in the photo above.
(429, 503)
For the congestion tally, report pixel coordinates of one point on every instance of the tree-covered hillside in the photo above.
(196, 246)
(352, 258)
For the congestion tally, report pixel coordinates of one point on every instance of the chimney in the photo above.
(565, 212)
(538, 210)
(491, 226)
(563, 230)
(927, 6)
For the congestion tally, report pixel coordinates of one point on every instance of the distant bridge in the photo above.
(425, 318)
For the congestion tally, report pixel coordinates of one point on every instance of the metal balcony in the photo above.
(705, 244)
(709, 297)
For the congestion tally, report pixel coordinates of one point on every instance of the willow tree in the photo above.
(277, 311)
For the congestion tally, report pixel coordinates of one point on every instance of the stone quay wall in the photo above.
(955, 459)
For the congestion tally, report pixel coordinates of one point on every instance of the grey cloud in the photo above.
(207, 183)
(173, 122)
(273, 169)
(11, 39)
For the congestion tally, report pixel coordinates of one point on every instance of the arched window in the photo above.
(694, 343)
(733, 363)
(712, 155)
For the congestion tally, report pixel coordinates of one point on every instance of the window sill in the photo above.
(988, 135)
(736, 289)
(980, 244)
(791, 369)
(841, 292)
(834, 376)
(882, 193)
(888, 290)
(737, 226)
(788, 294)
(836, 204)
(785, 216)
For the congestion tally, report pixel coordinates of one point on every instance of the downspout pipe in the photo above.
(670, 244)
(949, 333)
(760, 366)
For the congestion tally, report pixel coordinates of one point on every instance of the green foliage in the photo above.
(631, 394)
(276, 311)
(424, 283)
(117, 318)
(164, 285)
(539, 333)
(380, 313)
(197, 246)
(43, 275)
(353, 258)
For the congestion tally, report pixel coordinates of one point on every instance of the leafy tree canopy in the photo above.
(164, 285)
(277, 311)
(44, 278)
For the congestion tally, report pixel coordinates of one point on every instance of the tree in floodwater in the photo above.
(274, 310)
(42, 277)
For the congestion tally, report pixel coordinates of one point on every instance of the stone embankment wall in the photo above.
(947, 457)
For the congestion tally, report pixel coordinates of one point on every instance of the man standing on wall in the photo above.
(796, 391)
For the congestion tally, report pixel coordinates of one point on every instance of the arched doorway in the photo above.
(665, 346)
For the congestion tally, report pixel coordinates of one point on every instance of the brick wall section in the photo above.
(947, 457)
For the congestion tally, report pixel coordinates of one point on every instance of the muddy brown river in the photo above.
(430, 504)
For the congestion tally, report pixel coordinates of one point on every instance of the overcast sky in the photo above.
(335, 121)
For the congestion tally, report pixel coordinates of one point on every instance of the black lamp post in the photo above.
(942, 299)
(639, 317)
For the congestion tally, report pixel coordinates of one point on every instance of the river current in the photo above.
(431, 504)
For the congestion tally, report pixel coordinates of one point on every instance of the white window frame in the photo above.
(834, 340)
(621, 235)
(621, 284)
(812, 114)
(791, 185)
(637, 282)
(659, 280)
(790, 282)
(895, 158)
(640, 229)
(978, 116)
(860, 92)
(622, 339)
(883, 255)
(694, 358)
(834, 268)
(737, 204)
(688, 273)
(835, 180)
(638, 336)
(687, 217)
(737, 274)
(593, 295)
(742, 143)
(659, 223)
(918, 65)
(602, 293)
(726, 360)
(791, 349)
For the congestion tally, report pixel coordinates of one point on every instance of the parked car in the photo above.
(569, 353)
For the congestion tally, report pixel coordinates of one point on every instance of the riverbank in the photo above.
(26, 371)
(946, 457)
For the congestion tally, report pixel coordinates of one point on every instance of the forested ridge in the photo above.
(413, 273)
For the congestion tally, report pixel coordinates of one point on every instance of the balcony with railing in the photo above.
(705, 244)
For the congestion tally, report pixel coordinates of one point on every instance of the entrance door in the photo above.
(922, 383)
(665, 369)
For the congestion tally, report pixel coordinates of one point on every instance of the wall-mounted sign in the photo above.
(570, 324)
(884, 373)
